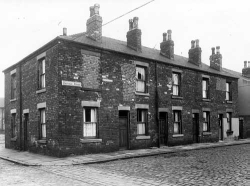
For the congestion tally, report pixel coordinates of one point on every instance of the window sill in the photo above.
(207, 100)
(141, 94)
(41, 91)
(142, 137)
(90, 140)
(206, 133)
(13, 139)
(12, 100)
(229, 102)
(178, 135)
(42, 141)
(177, 97)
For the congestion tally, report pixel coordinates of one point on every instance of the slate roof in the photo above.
(149, 53)
(1, 102)
(238, 74)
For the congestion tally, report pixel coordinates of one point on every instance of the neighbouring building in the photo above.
(86, 93)
(2, 127)
(243, 99)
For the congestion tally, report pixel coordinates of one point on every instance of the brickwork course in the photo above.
(86, 70)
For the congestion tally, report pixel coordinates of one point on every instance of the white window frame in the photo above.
(176, 84)
(43, 130)
(206, 121)
(141, 79)
(228, 92)
(205, 88)
(13, 86)
(41, 73)
(229, 120)
(142, 115)
(177, 121)
(90, 127)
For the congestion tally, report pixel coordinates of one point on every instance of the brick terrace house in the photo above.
(244, 99)
(86, 93)
(2, 126)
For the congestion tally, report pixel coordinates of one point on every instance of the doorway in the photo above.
(163, 130)
(25, 132)
(196, 130)
(241, 123)
(220, 123)
(123, 129)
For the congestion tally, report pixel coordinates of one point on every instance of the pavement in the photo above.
(31, 159)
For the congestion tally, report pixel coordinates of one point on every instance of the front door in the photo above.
(25, 132)
(123, 129)
(241, 122)
(163, 123)
(220, 122)
(195, 128)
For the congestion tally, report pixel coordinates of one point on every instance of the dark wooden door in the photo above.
(163, 130)
(25, 132)
(241, 123)
(196, 128)
(123, 129)
(220, 123)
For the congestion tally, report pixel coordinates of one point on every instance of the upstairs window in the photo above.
(13, 126)
(42, 124)
(228, 92)
(205, 88)
(89, 122)
(140, 79)
(177, 122)
(141, 122)
(176, 83)
(41, 73)
(206, 121)
(13, 86)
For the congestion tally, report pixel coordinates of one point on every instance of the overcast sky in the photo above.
(26, 25)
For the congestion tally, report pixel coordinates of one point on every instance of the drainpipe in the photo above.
(20, 102)
(156, 105)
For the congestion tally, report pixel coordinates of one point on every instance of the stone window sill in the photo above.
(90, 140)
(207, 100)
(12, 100)
(41, 91)
(42, 141)
(178, 135)
(177, 97)
(230, 102)
(142, 137)
(13, 139)
(206, 133)
(141, 94)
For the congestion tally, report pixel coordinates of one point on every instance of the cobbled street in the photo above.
(215, 166)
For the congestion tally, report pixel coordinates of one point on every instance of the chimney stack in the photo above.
(216, 59)
(94, 24)
(195, 53)
(65, 31)
(246, 69)
(134, 35)
(167, 45)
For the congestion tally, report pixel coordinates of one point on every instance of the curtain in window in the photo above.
(206, 121)
(177, 120)
(141, 121)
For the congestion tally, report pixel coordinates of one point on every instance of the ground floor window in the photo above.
(229, 121)
(13, 126)
(42, 124)
(89, 122)
(206, 121)
(141, 122)
(177, 122)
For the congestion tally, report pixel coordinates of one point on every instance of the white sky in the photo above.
(26, 25)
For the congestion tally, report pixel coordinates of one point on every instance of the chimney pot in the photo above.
(130, 24)
(169, 34)
(135, 22)
(192, 43)
(213, 49)
(217, 50)
(91, 11)
(248, 63)
(164, 36)
(65, 31)
(96, 9)
(197, 43)
(245, 64)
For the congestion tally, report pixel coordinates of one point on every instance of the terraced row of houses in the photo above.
(86, 93)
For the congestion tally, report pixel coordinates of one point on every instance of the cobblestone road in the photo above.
(217, 166)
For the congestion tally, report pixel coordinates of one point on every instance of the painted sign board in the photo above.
(72, 83)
